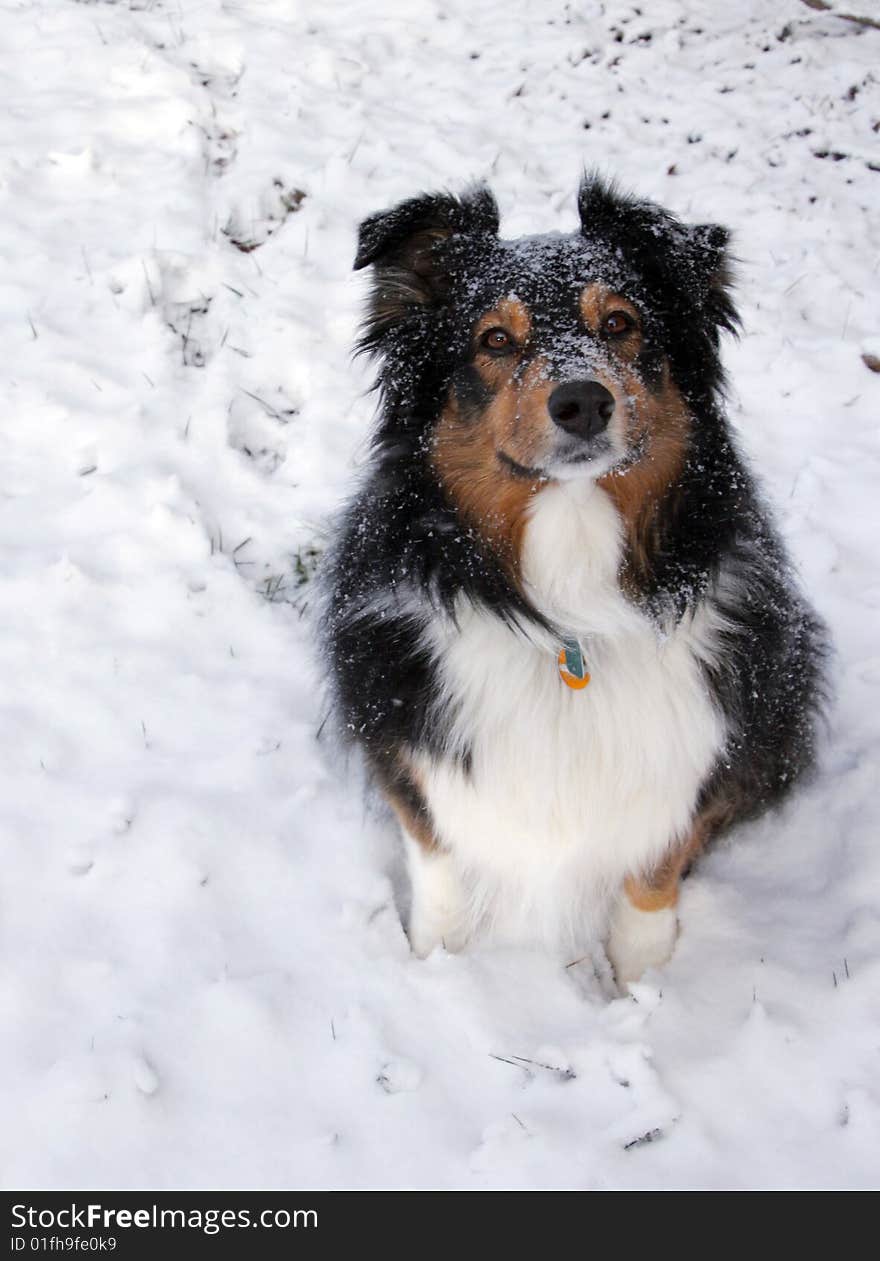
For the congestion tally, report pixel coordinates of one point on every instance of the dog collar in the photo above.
(571, 665)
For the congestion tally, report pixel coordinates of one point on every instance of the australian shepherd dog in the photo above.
(559, 623)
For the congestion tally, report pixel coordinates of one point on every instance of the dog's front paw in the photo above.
(426, 933)
(436, 915)
(640, 940)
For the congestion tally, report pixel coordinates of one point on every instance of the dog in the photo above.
(559, 622)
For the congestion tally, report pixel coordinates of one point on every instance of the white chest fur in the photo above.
(567, 791)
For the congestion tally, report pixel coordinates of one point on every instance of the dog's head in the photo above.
(549, 357)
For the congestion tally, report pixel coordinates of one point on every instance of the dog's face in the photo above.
(559, 377)
(546, 358)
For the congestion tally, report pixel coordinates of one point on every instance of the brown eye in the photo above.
(496, 340)
(617, 323)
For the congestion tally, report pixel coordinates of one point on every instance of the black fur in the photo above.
(438, 264)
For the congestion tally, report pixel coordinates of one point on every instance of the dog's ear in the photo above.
(711, 266)
(694, 258)
(406, 246)
(405, 236)
(709, 243)
(602, 206)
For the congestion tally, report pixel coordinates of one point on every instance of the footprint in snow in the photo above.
(399, 1076)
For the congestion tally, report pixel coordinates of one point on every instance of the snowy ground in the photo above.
(203, 976)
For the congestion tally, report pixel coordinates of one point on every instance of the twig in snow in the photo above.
(564, 1075)
(575, 962)
(149, 286)
(822, 6)
(846, 321)
(186, 339)
(272, 587)
(503, 1059)
(267, 407)
(650, 1136)
(551, 1068)
(521, 1061)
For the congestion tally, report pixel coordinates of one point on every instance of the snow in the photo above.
(204, 981)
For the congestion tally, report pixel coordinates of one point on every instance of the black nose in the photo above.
(582, 408)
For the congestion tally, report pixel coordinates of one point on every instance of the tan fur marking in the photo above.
(660, 422)
(417, 823)
(592, 305)
(511, 315)
(597, 301)
(467, 454)
(645, 897)
(659, 888)
(663, 425)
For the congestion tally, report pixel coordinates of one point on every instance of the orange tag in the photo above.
(568, 676)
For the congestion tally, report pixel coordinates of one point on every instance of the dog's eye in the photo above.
(496, 340)
(617, 323)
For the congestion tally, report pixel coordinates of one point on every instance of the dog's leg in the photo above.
(436, 914)
(644, 926)
(644, 923)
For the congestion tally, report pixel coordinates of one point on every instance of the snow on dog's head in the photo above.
(513, 364)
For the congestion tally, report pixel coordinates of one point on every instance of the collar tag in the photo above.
(572, 667)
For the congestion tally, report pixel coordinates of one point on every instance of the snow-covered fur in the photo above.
(552, 466)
